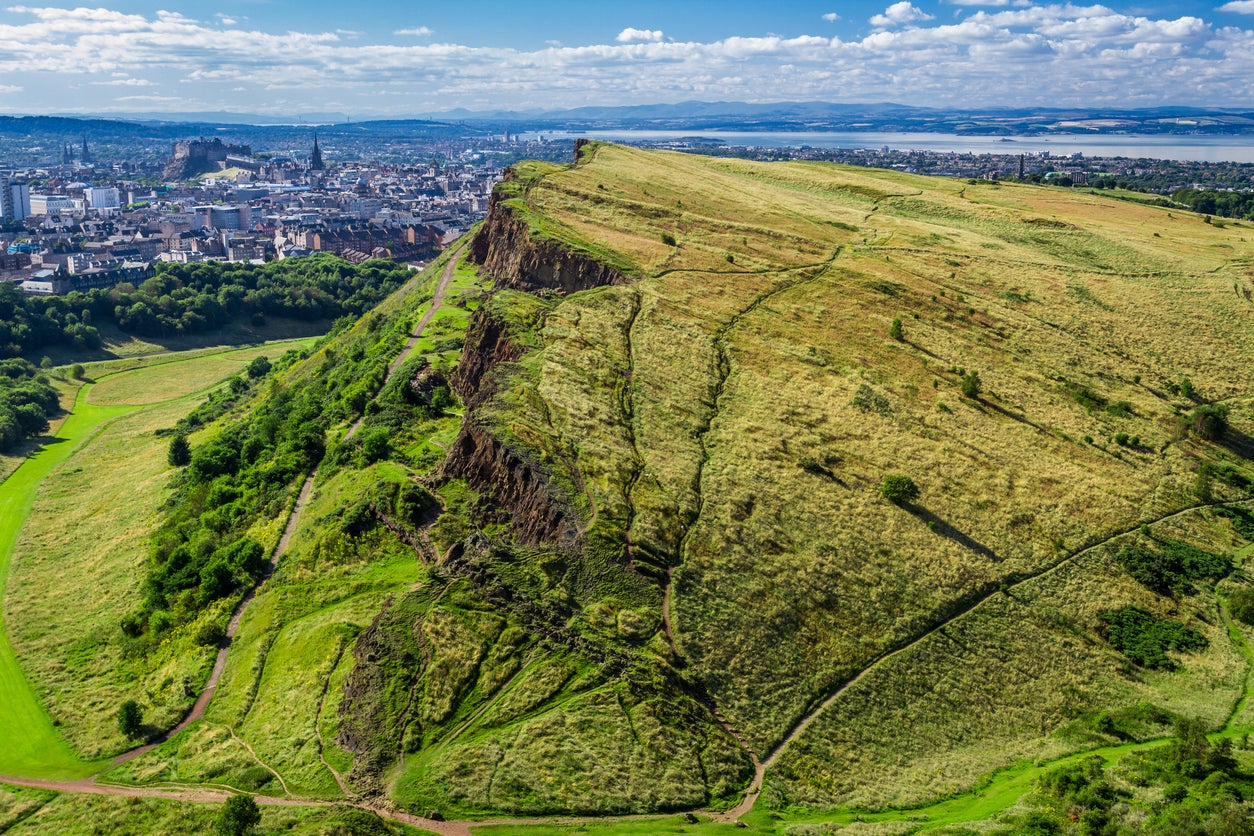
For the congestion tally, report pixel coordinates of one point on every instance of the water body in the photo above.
(1194, 148)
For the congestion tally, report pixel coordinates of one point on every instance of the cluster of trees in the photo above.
(202, 552)
(1171, 567)
(197, 298)
(1212, 202)
(1145, 638)
(26, 402)
(1191, 786)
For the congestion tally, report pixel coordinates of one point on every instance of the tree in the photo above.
(180, 452)
(898, 488)
(971, 386)
(259, 367)
(239, 816)
(894, 330)
(130, 718)
(77, 371)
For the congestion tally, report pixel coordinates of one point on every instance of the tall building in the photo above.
(107, 198)
(315, 159)
(67, 157)
(14, 200)
(86, 155)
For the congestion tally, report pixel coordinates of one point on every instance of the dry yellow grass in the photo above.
(690, 399)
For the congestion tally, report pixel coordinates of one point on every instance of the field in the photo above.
(71, 568)
(731, 412)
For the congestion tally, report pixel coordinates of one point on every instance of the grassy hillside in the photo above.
(644, 546)
(724, 417)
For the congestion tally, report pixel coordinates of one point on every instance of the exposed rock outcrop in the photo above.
(487, 345)
(517, 260)
(536, 513)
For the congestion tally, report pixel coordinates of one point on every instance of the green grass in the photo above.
(71, 544)
(29, 811)
(678, 409)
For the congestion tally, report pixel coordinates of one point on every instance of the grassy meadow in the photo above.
(81, 506)
(732, 582)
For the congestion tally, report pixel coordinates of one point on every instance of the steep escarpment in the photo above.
(536, 513)
(488, 344)
(517, 258)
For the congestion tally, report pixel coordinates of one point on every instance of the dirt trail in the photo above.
(197, 712)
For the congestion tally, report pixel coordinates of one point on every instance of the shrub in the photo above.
(1241, 605)
(898, 488)
(180, 452)
(894, 330)
(1145, 639)
(668, 239)
(971, 386)
(239, 816)
(130, 718)
(1209, 422)
(259, 367)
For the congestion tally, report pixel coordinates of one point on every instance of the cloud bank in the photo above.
(1006, 54)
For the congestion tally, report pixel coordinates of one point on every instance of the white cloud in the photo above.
(632, 35)
(1060, 54)
(831, 17)
(1241, 7)
(899, 14)
(124, 82)
(417, 32)
(226, 20)
(9, 88)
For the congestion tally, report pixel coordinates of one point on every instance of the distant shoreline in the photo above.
(1199, 148)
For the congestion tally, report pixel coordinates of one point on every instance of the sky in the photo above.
(409, 57)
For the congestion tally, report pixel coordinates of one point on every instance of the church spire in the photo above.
(315, 158)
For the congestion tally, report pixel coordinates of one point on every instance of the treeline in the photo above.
(27, 401)
(1221, 204)
(197, 298)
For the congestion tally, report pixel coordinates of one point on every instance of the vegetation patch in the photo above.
(1145, 639)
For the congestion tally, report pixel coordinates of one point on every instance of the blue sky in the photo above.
(404, 58)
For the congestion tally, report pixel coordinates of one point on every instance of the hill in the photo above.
(691, 483)
(702, 415)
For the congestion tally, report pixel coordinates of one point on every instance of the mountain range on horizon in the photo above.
(704, 115)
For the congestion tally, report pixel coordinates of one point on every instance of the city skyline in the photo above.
(397, 60)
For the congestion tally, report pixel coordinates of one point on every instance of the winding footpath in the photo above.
(50, 744)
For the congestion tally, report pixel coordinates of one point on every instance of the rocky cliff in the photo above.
(519, 260)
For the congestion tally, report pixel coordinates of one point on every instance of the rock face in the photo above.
(487, 345)
(537, 514)
(519, 261)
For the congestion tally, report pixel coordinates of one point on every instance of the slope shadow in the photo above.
(946, 530)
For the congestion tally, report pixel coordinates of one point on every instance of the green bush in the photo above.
(130, 719)
(1209, 422)
(1241, 605)
(898, 488)
(971, 385)
(668, 239)
(239, 815)
(180, 452)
